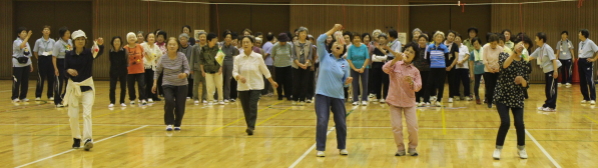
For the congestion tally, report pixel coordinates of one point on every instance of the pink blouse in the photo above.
(400, 92)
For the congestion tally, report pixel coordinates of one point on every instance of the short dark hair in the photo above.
(234, 35)
(383, 35)
(269, 36)
(346, 33)
(493, 38)
(501, 37)
(451, 31)
(47, 26)
(476, 39)
(565, 32)
(249, 37)
(211, 36)
(258, 34)
(163, 33)
(248, 30)
(506, 30)
(332, 42)
(413, 45)
(585, 33)
(187, 26)
(147, 35)
(366, 34)
(523, 37)
(21, 29)
(393, 33)
(503, 33)
(474, 29)
(226, 33)
(541, 36)
(423, 36)
(458, 35)
(63, 31)
(355, 34)
(114, 38)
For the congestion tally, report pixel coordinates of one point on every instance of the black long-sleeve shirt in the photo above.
(119, 61)
(83, 63)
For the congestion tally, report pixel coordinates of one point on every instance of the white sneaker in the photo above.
(143, 102)
(468, 98)
(308, 101)
(169, 128)
(196, 102)
(38, 98)
(364, 103)
(225, 100)
(427, 104)
(355, 103)
(294, 102)
(548, 109)
(559, 84)
(421, 104)
(111, 105)
(522, 154)
(150, 100)
(437, 104)
(373, 100)
(205, 102)
(123, 105)
(450, 100)
(593, 102)
(496, 154)
(541, 108)
(382, 101)
(221, 102)
(456, 98)
(344, 152)
(15, 100)
(584, 102)
(372, 95)
(25, 100)
(302, 103)
(210, 103)
(132, 102)
(320, 154)
(51, 98)
(188, 98)
(433, 98)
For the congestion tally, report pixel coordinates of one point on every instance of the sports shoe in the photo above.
(25, 100)
(343, 152)
(567, 85)
(123, 105)
(150, 100)
(450, 100)
(188, 98)
(51, 98)
(437, 104)
(468, 98)
(433, 98)
(413, 152)
(421, 104)
(427, 104)
(400, 153)
(232, 100)
(196, 102)
(88, 144)
(355, 103)
(143, 102)
(177, 128)
(548, 109)
(294, 102)
(382, 101)
(371, 95)
(169, 128)
(111, 105)
(522, 153)
(15, 100)
(496, 154)
(541, 108)
(76, 143)
(210, 104)
(59, 105)
(320, 154)
(559, 84)
(456, 98)
(593, 102)
(157, 99)
(205, 102)
(364, 103)
(225, 100)
(249, 131)
(38, 99)
(478, 101)
(221, 102)
(132, 102)
(584, 102)
(302, 103)
(308, 101)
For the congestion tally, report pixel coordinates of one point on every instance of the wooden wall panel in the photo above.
(7, 36)
(550, 18)
(319, 19)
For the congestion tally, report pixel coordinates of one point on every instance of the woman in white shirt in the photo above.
(248, 68)
(462, 70)
(153, 54)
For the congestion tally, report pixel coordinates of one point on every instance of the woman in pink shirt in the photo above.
(404, 82)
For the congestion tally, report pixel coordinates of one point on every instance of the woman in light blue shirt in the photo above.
(21, 65)
(359, 59)
(550, 66)
(45, 70)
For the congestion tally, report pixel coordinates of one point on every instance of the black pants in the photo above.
(45, 70)
(490, 79)
(462, 76)
(20, 82)
(476, 87)
(249, 99)
(586, 79)
(174, 107)
(550, 90)
(453, 80)
(149, 82)
(267, 86)
(123, 87)
(233, 89)
(436, 78)
(300, 85)
(189, 85)
(425, 91)
(505, 123)
(566, 71)
(140, 78)
(60, 82)
(311, 85)
(284, 78)
(379, 82)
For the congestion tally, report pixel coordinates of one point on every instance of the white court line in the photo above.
(307, 151)
(543, 150)
(70, 150)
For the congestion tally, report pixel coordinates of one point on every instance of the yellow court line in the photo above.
(590, 119)
(443, 122)
(285, 110)
(231, 123)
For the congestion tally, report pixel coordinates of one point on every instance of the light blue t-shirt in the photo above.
(333, 72)
(546, 53)
(587, 49)
(282, 54)
(17, 51)
(358, 55)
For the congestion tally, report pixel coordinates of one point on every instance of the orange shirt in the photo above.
(135, 59)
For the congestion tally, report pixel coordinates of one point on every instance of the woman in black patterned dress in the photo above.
(509, 95)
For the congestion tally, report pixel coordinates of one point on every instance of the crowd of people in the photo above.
(300, 68)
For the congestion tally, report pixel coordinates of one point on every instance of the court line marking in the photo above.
(70, 150)
(443, 122)
(237, 120)
(590, 119)
(542, 149)
(80, 120)
(308, 150)
(285, 110)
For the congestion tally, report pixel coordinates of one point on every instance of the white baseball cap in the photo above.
(78, 33)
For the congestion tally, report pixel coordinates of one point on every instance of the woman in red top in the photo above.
(136, 69)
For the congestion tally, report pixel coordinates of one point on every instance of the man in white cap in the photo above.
(80, 87)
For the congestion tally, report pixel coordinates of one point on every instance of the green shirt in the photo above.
(208, 59)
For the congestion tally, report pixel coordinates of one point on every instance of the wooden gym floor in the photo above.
(461, 134)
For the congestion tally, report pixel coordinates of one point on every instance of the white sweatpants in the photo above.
(214, 81)
(86, 99)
